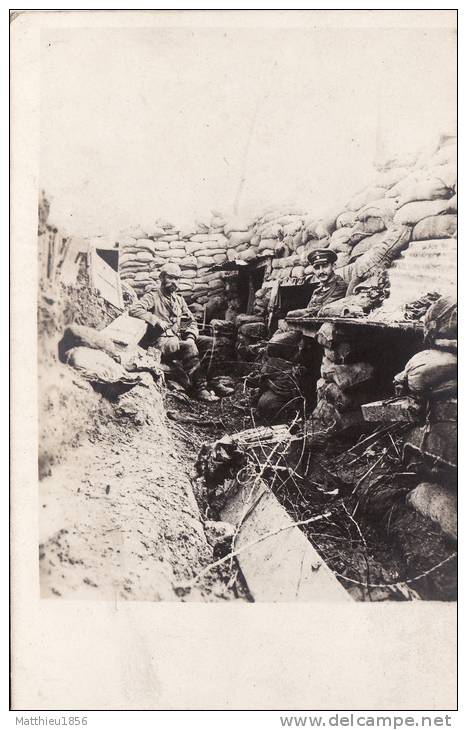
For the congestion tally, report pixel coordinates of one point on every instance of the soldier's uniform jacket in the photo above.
(335, 288)
(165, 312)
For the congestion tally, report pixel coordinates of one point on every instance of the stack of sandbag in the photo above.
(262, 297)
(206, 250)
(412, 202)
(425, 203)
(144, 252)
(137, 261)
(344, 385)
(431, 377)
(242, 243)
(251, 334)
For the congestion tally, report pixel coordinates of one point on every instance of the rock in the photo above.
(438, 503)
(219, 535)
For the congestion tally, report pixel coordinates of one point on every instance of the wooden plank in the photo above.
(126, 330)
(309, 323)
(106, 280)
(284, 566)
(393, 410)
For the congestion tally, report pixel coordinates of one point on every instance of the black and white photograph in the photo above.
(245, 276)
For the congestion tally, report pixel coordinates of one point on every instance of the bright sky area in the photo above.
(138, 124)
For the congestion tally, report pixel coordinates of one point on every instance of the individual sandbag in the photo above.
(221, 327)
(142, 276)
(346, 220)
(195, 247)
(429, 189)
(126, 257)
(144, 256)
(97, 366)
(428, 369)
(124, 240)
(411, 213)
(289, 229)
(383, 209)
(380, 254)
(362, 229)
(329, 417)
(188, 273)
(76, 335)
(347, 377)
(161, 246)
(435, 226)
(173, 253)
(344, 401)
(440, 320)
(144, 244)
(242, 319)
(169, 238)
(341, 352)
(238, 237)
(446, 173)
(438, 503)
(237, 224)
(366, 244)
(253, 330)
(205, 261)
(266, 243)
(247, 255)
(129, 250)
(210, 276)
(134, 265)
(188, 262)
(210, 253)
(298, 272)
(339, 238)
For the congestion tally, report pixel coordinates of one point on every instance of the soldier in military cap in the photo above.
(173, 328)
(330, 287)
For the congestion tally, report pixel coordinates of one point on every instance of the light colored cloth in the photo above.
(165, 312)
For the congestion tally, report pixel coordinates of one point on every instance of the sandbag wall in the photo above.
(346, 381)
(408, 207)
(143, 252)
(430, 377)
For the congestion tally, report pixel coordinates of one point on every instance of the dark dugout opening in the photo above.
(110, 256)
(250, 279)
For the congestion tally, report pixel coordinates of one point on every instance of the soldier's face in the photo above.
(169, 283)
(323, 272)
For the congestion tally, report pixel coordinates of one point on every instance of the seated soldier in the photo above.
(164, 311)
(330, 287)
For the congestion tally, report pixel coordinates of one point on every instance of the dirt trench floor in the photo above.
(118, 519)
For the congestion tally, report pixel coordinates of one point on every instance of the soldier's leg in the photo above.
(189, 357)
(169, 347)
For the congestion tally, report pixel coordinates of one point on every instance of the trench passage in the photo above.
(359, 541)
